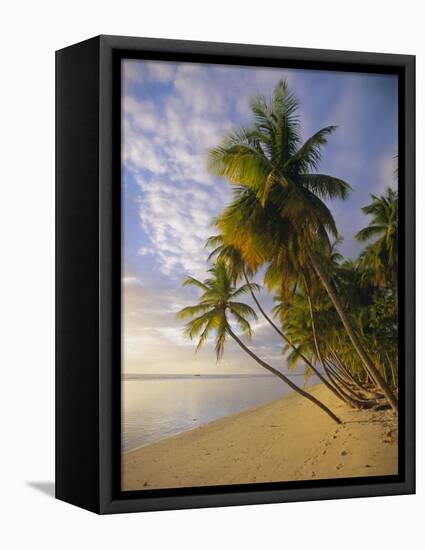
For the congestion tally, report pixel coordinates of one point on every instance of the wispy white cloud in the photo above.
(165, 146)
(177, 220)
(133, 71)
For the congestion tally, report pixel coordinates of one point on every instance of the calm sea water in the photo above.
(156, 408)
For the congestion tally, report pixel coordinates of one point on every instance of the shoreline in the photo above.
(285, 439)
(211, 422)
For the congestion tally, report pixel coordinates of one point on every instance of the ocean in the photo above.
(157, 407)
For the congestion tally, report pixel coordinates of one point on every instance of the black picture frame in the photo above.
(88, 272)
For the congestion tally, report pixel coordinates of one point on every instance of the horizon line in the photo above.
(151, 376)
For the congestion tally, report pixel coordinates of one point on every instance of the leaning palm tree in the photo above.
(217, 308)
(237, 269)
(278, 210)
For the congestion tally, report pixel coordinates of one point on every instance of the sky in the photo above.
(172, 114)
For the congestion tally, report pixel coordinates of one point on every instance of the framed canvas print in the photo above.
(235, 274)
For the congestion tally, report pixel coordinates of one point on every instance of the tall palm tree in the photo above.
(381, 256)
(279, 209)
(217, 306)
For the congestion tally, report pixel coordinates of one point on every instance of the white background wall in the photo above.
(30, 32)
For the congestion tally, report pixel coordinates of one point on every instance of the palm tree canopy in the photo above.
(218, 306)
(231, 256)
(278, 192)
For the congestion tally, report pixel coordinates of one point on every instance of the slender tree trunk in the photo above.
(370, 367)
(344, 369)
(352, 379)
(313, 321)
(355, 401)
(284, 378)
(360, 401)
(288, 341)
(392, 370)
(342, 394)
(340, 372)
(340, 376)
(352, 401)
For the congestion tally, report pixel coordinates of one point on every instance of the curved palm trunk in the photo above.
(344, 370)
(341, 379)
(284, 378)
(357, 400)
(313, 321)
(370, 367)
(288, 341)
(353, 402)
(342, 375)
(350, 378)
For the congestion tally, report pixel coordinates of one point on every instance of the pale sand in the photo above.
(284, 440)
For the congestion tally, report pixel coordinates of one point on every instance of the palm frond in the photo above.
(214, 241)
(194, 327)
(284, 111)
(246, 289)
(325, 187)
(242, 309)
(309, 155)
(190, 311)
(195, 282)
(221, 337)
(241, 163)
(242, 323)
(370, 232)
(209, 326)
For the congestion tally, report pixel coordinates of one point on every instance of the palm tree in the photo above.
(217, 306)
(380, 258)
(237, 269)
(278, 211)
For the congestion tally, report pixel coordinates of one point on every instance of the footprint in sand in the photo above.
(343, 453)
(339, 466)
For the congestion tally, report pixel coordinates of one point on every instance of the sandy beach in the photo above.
(284, 440)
